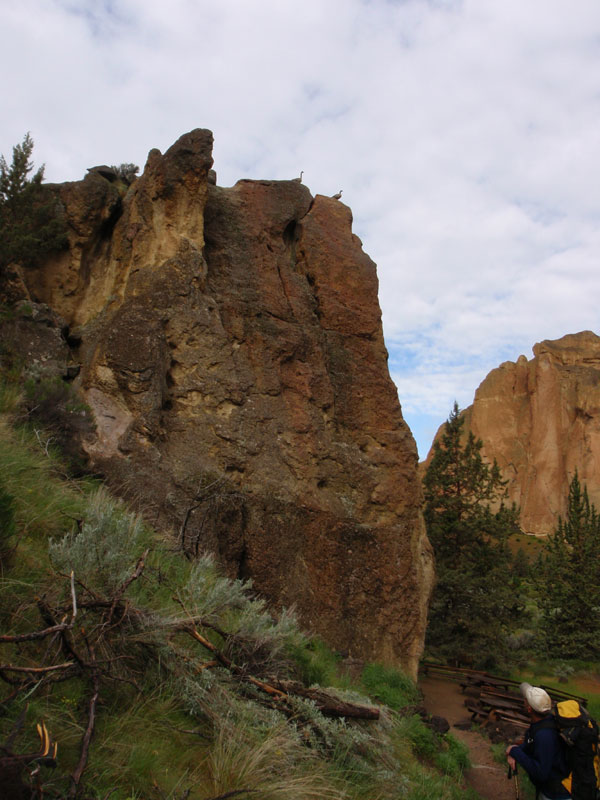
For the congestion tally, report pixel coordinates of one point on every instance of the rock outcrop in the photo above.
(540, 419)
(231, 350)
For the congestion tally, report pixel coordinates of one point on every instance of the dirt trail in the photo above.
(486, 776)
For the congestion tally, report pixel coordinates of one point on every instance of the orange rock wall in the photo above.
(540, 419)
(231, 349)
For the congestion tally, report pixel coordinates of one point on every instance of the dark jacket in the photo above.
(542, 756)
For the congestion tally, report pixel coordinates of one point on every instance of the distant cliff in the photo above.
(540, 419)
(230, 347)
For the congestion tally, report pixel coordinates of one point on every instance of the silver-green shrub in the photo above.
(103, 552)
(255, 636)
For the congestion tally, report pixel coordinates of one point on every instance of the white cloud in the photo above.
(464, 135)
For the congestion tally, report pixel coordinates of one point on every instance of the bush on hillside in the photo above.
(101, 553)
(127, 172)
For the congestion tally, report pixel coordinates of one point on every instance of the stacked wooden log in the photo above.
(494, 703)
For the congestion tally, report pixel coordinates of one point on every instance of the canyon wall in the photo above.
(229, 344)
(540, 418)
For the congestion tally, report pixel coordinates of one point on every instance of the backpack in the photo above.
(579, 733)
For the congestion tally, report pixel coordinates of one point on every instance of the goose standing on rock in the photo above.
(337, 196)
(299, 180)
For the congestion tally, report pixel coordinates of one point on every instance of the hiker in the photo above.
(541, 754)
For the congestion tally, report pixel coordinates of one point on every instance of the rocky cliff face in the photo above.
(541, 420)
(231, 350)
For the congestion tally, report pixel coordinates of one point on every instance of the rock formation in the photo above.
(540, 419)
(231, 350)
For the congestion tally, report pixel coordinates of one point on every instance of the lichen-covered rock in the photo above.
(540, 419)
(231, 349)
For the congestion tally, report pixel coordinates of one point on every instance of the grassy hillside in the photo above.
(156, 677)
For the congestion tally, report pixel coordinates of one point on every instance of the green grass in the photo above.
(45, 504)
(10, 397)
(427, 787)
(389, 686)
(147, 745)
(277, 767)
(594, 706)
(317, 663)
(453, 760)
(424, 742)
(531, 545)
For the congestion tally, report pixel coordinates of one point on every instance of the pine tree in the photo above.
(31, 219)
(521, 564)
(569, 581)
(475, 600)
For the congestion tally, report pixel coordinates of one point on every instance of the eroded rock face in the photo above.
(231, 349)
(540, 419)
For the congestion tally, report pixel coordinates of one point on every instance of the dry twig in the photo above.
(87, 737)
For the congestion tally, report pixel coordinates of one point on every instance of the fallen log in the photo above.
(226, 662)
(329, 704)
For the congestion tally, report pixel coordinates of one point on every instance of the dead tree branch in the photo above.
(35, 670)
(139, 568)
(226, 662)
(87, 737)
(327, 703)
(62, 626)
(30, 637)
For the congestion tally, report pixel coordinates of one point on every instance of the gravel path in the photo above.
(486, 776)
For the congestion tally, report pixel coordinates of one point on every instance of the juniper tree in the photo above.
(474, 600)
(127, 172)
(569, 580)
(31, 219)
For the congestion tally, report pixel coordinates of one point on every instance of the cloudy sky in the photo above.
(465, 135)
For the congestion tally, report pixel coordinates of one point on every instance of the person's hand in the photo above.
(511, 761)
